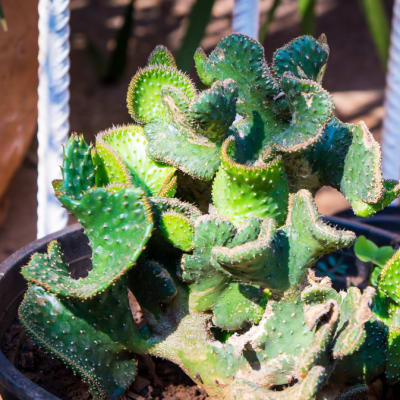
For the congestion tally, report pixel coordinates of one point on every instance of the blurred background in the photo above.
(111, 39)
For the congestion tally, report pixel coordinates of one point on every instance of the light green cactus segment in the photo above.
(110, 168)
(183, 148)
(254, 261)
(214, 110)
(78, 171)
(144, 93)
(178, 229)
(161, 56)
(389, 279)
(240, 58)
(86, 336)
(391, 193)
(207, 282)
(190, 140)
(368, 362)
(128, 144)
(306, 237)
(239, 305)
(161, 205)
(118, 223)
(247, 232)
(152, 285)
(177, 103)
(241, 191)
(304, 57)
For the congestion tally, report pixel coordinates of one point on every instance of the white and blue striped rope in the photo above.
(53, 109)
(391, 123)
(246, 17)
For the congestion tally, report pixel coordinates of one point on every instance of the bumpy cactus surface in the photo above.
(203, 212)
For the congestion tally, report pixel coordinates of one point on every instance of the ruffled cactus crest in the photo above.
(208, 221)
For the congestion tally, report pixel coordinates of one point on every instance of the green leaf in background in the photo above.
(307, 15)
(3, 21)
(379, 27)
(270, 17)
(368, 251)
(198, 21)
(111, 68)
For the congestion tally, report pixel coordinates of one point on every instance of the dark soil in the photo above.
(157, 379)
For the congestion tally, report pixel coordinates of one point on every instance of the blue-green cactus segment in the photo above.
(264, 104)
(368, 362)
(144, 93)
(78, 171)
(389, 279)
(339, 160)
(183, 148)
(304, 57)
(262, 129)
(87, 336)
(239, 305)
(161, 56)
(355, 312)
(240, 58)
(127, 145)
(241, 191)
(214, 110)
(308, 237)
(392, 370)
(207, 282)
(152, 285)
(178, 230)
(118, 223)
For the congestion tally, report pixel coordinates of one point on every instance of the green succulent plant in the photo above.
(239, 268)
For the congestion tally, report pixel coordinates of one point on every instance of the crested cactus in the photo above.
(228, 293)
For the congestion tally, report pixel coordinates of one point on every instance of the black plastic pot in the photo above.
(13, 384)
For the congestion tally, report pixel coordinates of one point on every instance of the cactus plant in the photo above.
(227, 290)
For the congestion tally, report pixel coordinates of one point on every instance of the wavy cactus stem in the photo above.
(208, 222)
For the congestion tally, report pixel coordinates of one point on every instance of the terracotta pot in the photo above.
(18, 85)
